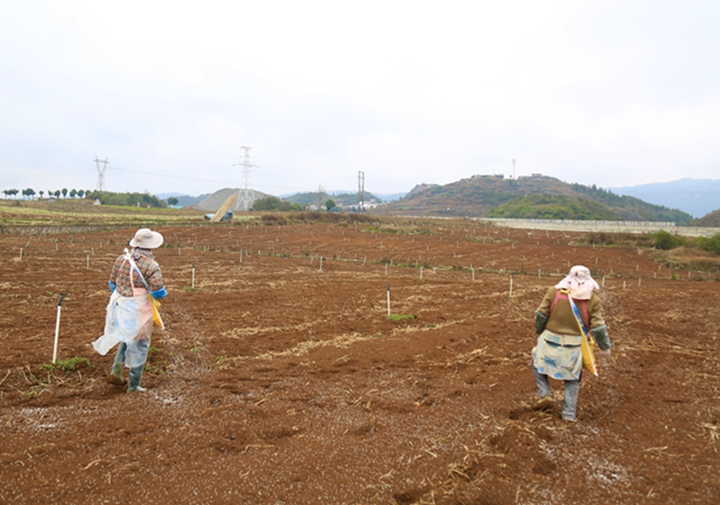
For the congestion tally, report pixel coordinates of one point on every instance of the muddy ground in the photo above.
(281, 381)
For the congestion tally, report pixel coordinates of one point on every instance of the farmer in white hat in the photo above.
(129, 314)
(558, 354)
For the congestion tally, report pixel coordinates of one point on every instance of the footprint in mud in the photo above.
(546, 407)
(520, 413)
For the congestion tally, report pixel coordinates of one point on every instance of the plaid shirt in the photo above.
(144, 260)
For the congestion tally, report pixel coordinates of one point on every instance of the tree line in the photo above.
(30, 193)
(104, 197)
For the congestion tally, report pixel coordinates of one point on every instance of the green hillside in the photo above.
(313, 198)
(711, 220)
(528, 197)
(553, 207)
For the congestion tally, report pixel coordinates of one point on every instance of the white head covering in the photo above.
(146, 239)
(579, 282)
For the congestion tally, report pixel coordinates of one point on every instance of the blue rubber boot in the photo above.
(135, 376)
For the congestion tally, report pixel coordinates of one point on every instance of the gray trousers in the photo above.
(570, 397)
(119, 363)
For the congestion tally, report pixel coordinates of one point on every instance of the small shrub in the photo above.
(667, 241)
(710, 244)
(155, 365)
(67, 365)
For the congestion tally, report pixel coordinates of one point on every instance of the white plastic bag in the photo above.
(129, 320)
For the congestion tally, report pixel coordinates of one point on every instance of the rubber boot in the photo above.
(115, 376)
(572, 388)
(135, 376)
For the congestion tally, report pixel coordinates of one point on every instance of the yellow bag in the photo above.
(587, 346)
(157, 320)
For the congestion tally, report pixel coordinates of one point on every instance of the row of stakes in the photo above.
(472, 269)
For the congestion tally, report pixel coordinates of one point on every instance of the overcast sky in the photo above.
(613, 93)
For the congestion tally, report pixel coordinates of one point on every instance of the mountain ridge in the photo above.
(697, 197)
(478, 196)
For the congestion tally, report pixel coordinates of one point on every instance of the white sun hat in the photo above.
(579, 282)
(146, 239)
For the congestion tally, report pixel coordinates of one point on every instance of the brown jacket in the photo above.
(562, 319)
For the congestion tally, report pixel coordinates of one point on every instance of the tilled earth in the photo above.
(280, 378)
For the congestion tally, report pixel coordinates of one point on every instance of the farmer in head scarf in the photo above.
(558, 354)
(129, 314)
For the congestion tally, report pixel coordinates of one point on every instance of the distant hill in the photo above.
(478, 196)
(694, 196)
(389, 197)
(711, 220)
(345, 199)
(553, 207)
(184, 200)
(215, 200)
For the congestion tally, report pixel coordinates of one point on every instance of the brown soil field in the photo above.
(282, 380)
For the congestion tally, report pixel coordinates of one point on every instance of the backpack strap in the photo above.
(559, 295)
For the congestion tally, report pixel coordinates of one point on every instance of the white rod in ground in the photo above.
(421, 270)
(511, 283)
(192, 285)
(320, 269)
(57, 327)
(87, 262)
(388, 299)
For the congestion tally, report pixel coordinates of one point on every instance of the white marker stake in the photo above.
(21, 253)
(241, 255)
(87, 262)
(473, 273)
(388, 299)
(57, 327)
(421, 270)
(193, 276)
(603, 281)
(386, 265)
(320, 269)
(511, 283)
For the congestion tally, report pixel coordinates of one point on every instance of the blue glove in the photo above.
(112, 285)
(160, 293)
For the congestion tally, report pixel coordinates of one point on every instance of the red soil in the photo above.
(277, 383)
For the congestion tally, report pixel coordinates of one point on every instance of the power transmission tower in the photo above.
(245, 194)
(101, 172)
(361, 190)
